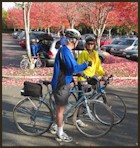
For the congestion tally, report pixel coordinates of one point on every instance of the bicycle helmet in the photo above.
(90, 38)
(33, 40)
(73, 33)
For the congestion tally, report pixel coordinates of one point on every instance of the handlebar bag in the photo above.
(32, 89)
(93, 80)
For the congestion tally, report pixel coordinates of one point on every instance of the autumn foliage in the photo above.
(56, 15)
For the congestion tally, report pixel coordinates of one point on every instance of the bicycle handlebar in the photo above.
(106, 80)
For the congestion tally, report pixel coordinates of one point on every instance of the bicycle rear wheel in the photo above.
(116, 105)
(31, 119)
(94, 127)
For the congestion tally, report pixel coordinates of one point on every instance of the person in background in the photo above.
(64, 67)
(63, 38)
(35, 47)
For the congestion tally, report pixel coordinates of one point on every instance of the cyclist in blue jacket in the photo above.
(64, 67)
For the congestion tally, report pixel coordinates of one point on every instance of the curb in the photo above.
(37, 77)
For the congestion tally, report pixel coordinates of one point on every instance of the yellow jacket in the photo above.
(95, 69)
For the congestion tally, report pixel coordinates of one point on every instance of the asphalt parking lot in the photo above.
(123, 134)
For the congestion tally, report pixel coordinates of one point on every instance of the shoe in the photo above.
(53, 128)
(81, 123)
(64, 137)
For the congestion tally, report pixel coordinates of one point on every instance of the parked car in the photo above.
(131, 53)
(109, 46)
(105, 41)
(33, 35)
(126, 44)
(21, 35)
(22, 42)
(55, 45)
(16, 34)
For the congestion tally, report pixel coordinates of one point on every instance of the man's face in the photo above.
(75, 43)
(90, 45)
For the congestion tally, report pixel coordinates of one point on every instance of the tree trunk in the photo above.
(48, 30)
(109, 33)
(26, 11)
(98, 42)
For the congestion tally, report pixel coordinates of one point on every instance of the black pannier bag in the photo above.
(32, 89)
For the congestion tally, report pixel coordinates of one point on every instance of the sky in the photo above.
(7, 5)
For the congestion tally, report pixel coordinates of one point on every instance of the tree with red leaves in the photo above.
(69, 11)
(12, 21)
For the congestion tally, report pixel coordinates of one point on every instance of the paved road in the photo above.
(123, 134)
(11, 51)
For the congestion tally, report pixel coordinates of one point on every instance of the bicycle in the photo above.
(34, 116)
(24, 63)
(114, 101)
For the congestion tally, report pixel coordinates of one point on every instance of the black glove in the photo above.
(89, 63)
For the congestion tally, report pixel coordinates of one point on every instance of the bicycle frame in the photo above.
(76, 104)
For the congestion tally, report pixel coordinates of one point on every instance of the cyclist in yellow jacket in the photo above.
(90, 54)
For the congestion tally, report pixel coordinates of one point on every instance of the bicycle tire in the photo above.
(117, 105)
(38, 63)
(22, 115)
(95, 128)
(24, 64)
(43, 63)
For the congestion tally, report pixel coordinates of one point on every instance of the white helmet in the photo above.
(33, 40)
(73, 33)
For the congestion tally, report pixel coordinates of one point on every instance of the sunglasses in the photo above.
(90, 43)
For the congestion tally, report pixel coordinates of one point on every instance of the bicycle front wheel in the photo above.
(116, 105)
(92, 126)
(24, 64)
(38, 63)
(32, 116)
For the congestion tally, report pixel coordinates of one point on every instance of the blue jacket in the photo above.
(34, 49)
(71, 66)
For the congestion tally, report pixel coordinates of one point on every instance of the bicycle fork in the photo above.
(89, 111)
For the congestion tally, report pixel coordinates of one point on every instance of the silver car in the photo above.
(126, 44)
(131, 53)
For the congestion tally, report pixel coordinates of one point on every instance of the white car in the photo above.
(55, 45)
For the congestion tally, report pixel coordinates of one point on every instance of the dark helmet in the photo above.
(90, 38)
(73, 33)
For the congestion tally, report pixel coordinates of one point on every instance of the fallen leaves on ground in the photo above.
(120, 67)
